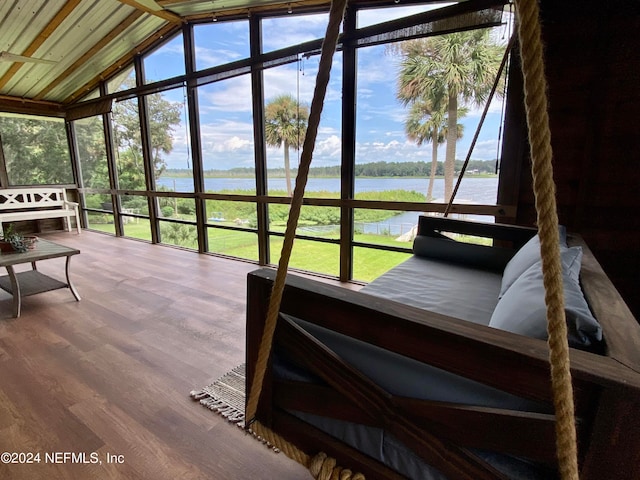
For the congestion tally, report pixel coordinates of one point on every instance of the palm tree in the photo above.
(458, 68)
(286, 125)
(425, 124)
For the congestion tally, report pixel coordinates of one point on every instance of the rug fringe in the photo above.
(226, 397)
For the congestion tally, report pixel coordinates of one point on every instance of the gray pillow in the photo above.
(522, 309)
(528, 254)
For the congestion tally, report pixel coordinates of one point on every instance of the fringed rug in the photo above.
(225, 396)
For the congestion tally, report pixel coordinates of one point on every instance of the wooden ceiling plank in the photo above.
(55, 22)
(164, 14)
(126, 23)
(123, 61)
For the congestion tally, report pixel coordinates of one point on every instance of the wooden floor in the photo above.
(111, 374)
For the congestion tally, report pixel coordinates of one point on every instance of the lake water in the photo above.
(472, 190)
(476, 190)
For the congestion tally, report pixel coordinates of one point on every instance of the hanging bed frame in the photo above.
(309, 392)
(456, 438)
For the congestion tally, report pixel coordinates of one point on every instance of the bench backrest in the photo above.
(21, 198)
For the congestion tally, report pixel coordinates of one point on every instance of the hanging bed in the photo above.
(439, 368)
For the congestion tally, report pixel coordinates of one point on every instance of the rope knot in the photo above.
(323, 467)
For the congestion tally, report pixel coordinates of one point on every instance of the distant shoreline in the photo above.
(440, 177)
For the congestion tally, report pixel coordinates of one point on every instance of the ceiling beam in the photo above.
(229, 12)
(31, 107)
(122, 62)
(143, 6)
(55, 22)
(122, 26)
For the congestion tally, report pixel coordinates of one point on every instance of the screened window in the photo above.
(36, 150)
(219, 43)
(167, 61)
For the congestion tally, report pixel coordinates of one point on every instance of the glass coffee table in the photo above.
(31, 282)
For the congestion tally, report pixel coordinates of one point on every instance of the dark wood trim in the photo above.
(622, 337)
(378, 404)
(75, 169)
(111, 147)
(347, 169)
(31, 107)
(4, 177)
(514, 139)
(483, 428)
(310, 439)
(147, 155)
(193, 113)
(260, 147)
(615, 431)
(515, 235)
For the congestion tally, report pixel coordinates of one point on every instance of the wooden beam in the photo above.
(32, 107)
(55, 22)
(126, 23)
(226, 12)
(144, 6)
(126, 59)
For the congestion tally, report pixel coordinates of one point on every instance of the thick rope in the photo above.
(320, 466)
(322, 80)
(535, 88)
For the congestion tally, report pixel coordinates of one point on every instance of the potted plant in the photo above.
(12, 241)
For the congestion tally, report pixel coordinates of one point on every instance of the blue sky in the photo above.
(225, 107)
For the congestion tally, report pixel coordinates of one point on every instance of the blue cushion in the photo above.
(522, 308)
(524, 258)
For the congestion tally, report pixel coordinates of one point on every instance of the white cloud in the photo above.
(329, 147)
(282, 32)
(210, 57)
(485, 150)
(222, 129)
(494, 107)
(232, 95)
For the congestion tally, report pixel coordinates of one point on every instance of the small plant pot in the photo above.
(6, 247)
(30, 241)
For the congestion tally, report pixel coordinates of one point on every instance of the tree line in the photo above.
(373, 169)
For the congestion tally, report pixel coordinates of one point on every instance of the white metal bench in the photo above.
(36, 203)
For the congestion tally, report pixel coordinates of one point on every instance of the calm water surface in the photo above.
(476, 190)
(472, 190)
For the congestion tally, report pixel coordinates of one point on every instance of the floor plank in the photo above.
(111, 374)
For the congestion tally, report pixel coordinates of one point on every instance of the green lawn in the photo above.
(307, 255)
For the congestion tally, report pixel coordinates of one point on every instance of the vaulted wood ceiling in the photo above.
(82, 42)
